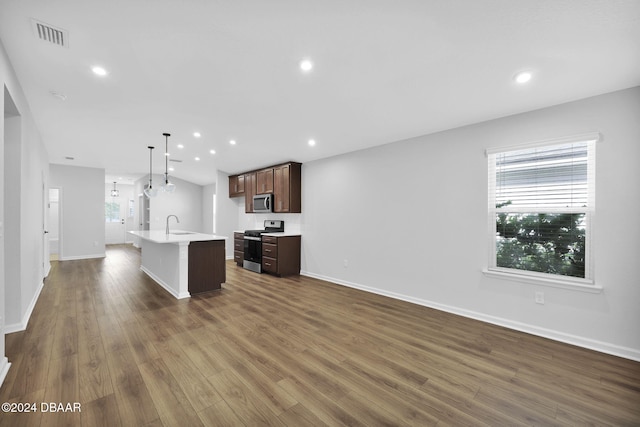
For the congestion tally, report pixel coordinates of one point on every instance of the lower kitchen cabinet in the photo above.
(238, 248)
(207, 269)
(281, 255)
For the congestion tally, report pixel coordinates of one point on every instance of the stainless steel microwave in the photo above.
(263, 203)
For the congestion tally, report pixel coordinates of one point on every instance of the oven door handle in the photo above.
(255, 239)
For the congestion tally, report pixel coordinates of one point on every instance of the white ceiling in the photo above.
(384, 71)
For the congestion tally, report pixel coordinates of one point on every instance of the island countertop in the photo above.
(192, 263)
(176, 236)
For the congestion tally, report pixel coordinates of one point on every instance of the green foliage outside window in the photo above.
(551, 243)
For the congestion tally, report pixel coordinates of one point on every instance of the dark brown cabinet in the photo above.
(287, 188)
(281, 255)
(238, 248)
(236, 185)
(264, 181)
(207, 269)
(284, 181)
(249, 191)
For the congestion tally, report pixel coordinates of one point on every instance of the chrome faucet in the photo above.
(169, 216)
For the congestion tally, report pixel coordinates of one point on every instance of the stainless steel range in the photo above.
(253, 244)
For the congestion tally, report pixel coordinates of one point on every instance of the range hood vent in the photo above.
(50, 34)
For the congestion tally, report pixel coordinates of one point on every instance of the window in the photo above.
(541, 207)
(112, 211)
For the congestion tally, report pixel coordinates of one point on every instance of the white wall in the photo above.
(12, 214)
(208, 191)
(27, 179)
(410, 219)
(81, 211)
(185, 202)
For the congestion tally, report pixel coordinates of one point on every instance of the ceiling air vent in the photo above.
(51, 34)
(175, 160)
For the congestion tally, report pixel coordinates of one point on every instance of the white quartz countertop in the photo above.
(276, 234)
(176, 236)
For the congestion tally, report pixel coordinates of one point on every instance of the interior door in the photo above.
(114, 216)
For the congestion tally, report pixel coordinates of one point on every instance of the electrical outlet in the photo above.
(345, 263)
(539, 297)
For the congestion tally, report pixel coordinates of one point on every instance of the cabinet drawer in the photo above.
(269, 250)
(238, 245)
(270, 239)
(270, 265)
(238, 257)
(237, 235)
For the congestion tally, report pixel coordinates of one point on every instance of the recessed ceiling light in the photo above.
(212, 151)
(196, 134)
(312, 142)
(180, 146)
(306, 65)
(99, 71)
(523, 77)
(171, 169)
(232, 142)
(197, 159)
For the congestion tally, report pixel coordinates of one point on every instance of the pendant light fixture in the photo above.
(149, 191)
(115, 192)
(168, 187)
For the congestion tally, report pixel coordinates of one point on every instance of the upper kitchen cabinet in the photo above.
(236, 185)
(287, 188)
(283, 181)
(264, 181)
(249, 191)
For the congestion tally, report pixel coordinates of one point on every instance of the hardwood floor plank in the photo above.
(94, 379)
(220, 415)
(271, 394)
(24, 419)
(292, 351)
(242, 401)
(169, 399)
(101, 412)
(298, 415)
(135, 406)
(188, 375)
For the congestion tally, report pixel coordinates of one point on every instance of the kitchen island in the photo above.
(183, 262)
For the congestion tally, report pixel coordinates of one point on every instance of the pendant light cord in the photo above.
(150, 166)
(166, 157)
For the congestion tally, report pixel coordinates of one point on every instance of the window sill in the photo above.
(562, 283)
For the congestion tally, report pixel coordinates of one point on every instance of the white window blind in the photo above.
(549, 178)
(541, 201)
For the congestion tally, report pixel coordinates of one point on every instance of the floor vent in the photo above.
(51, 34)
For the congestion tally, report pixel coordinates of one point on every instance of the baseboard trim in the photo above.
(164, 285)
(78, 257)
(602, 347)
(4, 369)
(22, 325)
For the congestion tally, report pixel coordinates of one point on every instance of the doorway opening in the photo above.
(54, 224)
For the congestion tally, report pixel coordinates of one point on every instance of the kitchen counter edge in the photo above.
(159, 236)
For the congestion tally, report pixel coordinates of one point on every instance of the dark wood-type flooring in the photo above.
(290, 352)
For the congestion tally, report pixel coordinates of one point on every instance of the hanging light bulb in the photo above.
(149, 191)
(115, 192)
(167, 186)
